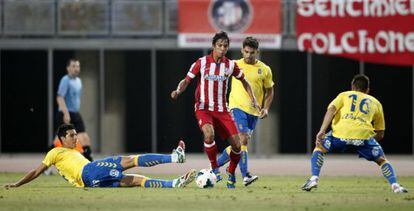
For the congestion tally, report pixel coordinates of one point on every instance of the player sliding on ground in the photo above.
(107, 172)
(357, 122)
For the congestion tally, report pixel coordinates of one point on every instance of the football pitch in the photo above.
(268, 193)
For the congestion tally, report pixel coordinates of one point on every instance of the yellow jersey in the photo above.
(68, 162)
(357, 115)
(259, 76)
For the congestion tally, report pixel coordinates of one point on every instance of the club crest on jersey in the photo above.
(114, 173)
(327, 144)
(259, 71)
(375, 151)
(230, 15)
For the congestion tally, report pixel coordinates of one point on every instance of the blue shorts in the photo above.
(103, 173)
(368, 149)
(245, 122)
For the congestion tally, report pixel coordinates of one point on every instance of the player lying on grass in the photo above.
(108, 172)
(358, 123)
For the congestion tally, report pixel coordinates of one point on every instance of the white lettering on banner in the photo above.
(355, 8)
(382, 42)
(345, 44)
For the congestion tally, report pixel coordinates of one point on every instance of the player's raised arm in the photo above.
(191, 74)
(182, 86)
(31, 175)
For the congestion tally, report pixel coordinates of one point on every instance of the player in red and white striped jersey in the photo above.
(211, 107)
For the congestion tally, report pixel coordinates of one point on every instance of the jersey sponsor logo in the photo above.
(114, 173)
(230, 15)
(215, 77)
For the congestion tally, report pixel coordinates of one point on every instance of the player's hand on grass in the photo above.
(263, 113)
(12, 185)
(174, 94)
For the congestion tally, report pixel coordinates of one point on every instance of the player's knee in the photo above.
(235, 145)
(208, 137)
(381, 160)
(128, 161)
(244, 138)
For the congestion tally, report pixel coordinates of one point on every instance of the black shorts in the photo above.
(75, 119)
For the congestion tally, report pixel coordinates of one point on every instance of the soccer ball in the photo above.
(206, 178)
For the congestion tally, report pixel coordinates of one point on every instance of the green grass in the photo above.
(269, 193)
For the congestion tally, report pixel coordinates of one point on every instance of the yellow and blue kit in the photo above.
(69, 164)
(259, 76)
(357, 116)
(107, 172)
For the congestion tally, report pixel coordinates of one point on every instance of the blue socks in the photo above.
(317, 162)
(157, 183)
(389, 173)
(243, 161)
(148, 160)
(224, 157)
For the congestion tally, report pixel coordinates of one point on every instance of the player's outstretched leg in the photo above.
(138, 180)
(389, 174)
(224, 157)
(180, 182)
(316, 164)
(148, 160)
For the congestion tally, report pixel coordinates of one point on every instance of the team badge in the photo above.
(375, 151)
(230, 15)
(327, 144)
(114, 173)
(259, 71)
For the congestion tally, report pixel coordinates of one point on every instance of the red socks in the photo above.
(211, 151)
(234, 160)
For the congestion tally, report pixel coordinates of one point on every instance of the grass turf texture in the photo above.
(268, 193)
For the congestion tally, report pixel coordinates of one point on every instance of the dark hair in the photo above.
(220, 35)
(251, 42)
(70, 61)
(61, 131)
(361, 82)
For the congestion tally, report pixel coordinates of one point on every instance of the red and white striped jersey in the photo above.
(212, 84)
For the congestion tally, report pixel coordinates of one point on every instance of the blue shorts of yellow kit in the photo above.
(368, 149)
(245, 122)
(103, 173)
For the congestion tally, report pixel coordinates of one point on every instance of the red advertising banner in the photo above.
(378, 31)
(200, 19)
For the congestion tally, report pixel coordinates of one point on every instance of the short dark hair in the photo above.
(220, 35)
(61, 131)
(70, 61)
(251, 42)
(361, 82)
